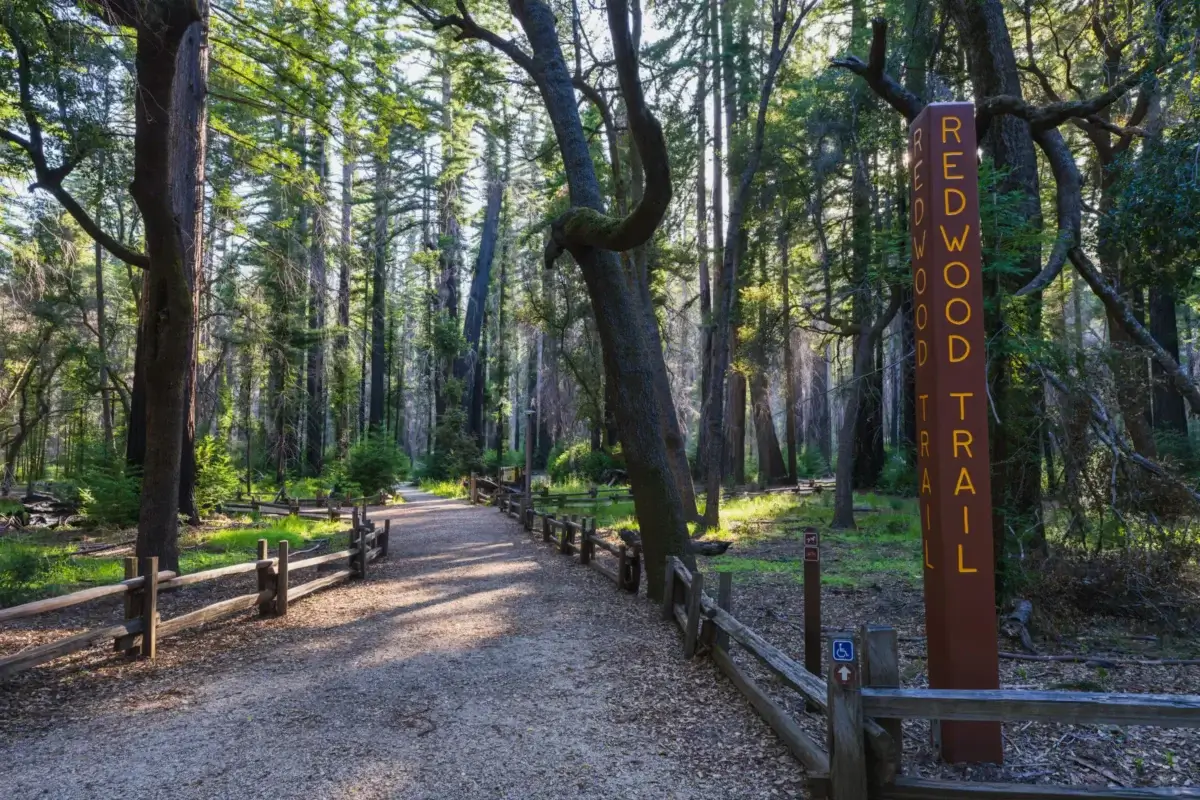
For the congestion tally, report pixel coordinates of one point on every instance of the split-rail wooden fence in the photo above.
(861, 754)
(142, 627)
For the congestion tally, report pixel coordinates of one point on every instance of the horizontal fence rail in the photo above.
(143, 628)
(571, 535)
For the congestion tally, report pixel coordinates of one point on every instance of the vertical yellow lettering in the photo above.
(919, 250)
(964, 482)
(961, 353)
(955, 244)
(962, 403)
(922, 398)
(922, 352)
(917, 185)
(962, 202)
(925, 444)
(918, 211)
(947, 165)
(947, 127)
(927, 564)
(966, 521)
(961, 568)
(928, 524)
(963, 439)
(926, 486)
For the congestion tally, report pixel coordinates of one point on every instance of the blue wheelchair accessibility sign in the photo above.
(843, 650)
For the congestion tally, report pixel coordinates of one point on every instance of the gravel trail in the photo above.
(473, 663)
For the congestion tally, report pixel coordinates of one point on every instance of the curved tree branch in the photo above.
(1054, 114)
(1068, 206)
(585, 227)
(884, 85)
(51, 179)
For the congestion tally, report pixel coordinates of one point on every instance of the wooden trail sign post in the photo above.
(952, 423)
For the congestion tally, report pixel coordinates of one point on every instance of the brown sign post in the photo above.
(952, 422)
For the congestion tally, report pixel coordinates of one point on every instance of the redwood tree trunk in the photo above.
(169, 315)
(315, 384)
(189, 125)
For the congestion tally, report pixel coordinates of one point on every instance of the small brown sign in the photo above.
(811, 538)
(844, 674)
(812, 554)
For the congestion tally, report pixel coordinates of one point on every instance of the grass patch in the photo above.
(452, 489)
(31, 568)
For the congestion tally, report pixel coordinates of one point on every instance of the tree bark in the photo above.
(1170, 414)
(315, 371)
(466, 366)
(189, 123)
(341, 343)
(789, 358)
(378, 289)
(170, 313)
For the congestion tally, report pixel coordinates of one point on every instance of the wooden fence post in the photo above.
(692, 632)
(813, 655)
(383, 539)
(668, 597)
(725, 603)
(622, 562)
(881, 670)
(149, 569)
(585, 542)
(264, 579)
(354, 518)
(547, 527)
(564, 536)
(133, 608)
(847, 761)
(281, 580)
(333, 510)
(364, 553)
(634, 568)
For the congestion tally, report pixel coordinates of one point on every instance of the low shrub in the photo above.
(899, 476)
(579, 460)
(109, 494)
(216, 477)
(375, 464)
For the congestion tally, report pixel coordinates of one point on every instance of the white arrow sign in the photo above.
(845, 673)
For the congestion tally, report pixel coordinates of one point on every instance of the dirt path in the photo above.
(473, 663)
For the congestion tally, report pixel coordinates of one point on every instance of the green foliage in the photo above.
(29, 570)
(108, 493)
(579, 460)
(246, 539)
(899, 476)
(445, 488)
(455, 453)
(811, 464)
(216, 477)
(510, 458)
(375, 464)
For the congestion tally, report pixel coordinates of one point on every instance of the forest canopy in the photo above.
(296, 244)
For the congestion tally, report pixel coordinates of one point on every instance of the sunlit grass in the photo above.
(31, 567)
(452, 489)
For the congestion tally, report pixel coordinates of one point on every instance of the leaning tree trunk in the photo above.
(466, 366)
